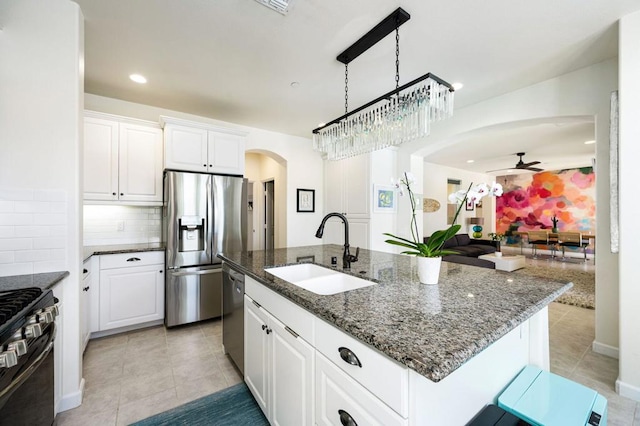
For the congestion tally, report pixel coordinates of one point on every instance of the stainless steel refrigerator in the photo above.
(203, 215)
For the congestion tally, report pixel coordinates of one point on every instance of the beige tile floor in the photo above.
(131, 376)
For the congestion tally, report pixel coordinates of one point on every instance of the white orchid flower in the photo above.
(457, 197)
(397, 184)
(480, 191)
(411, 179)
(496, 189)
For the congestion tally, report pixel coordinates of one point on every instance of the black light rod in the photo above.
(377, 33)
(386, 96)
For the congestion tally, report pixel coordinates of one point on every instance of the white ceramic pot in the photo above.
(498, 254)
(429, 269)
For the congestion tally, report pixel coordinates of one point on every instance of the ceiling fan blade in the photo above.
(534, 169)
(533, 163)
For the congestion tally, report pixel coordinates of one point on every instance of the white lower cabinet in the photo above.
(342, 400)
(279, 368)
(131, 295)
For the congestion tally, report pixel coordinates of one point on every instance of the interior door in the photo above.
(269, 212)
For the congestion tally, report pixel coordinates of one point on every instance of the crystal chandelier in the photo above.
(398, 116)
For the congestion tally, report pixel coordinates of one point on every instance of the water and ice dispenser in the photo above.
(191, 233)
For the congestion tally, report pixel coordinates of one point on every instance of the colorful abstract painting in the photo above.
(530, 202)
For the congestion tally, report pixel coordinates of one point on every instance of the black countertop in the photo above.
(44, 281)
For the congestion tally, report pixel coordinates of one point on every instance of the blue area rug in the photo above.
(232, 406)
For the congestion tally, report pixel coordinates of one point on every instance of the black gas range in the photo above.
(27, 333)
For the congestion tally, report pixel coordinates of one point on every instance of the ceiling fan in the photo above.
(521, 165)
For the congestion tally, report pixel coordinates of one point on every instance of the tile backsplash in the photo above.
(106, 225)
(33, 231)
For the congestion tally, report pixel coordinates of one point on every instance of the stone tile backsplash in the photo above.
(106, 225)
(33, 231)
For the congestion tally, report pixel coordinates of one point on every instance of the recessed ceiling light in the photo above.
(589, 142)
(295, 84)
(138, 78)
(470, 161)
(321, 124)
(457, 86)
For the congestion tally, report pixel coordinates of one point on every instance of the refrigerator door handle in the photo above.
(204, 272)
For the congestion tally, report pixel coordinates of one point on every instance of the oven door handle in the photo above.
(33, 367)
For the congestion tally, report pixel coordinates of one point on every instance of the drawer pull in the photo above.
(133, 259)
(346, 419)
(84, 271)
(85, 288)
(349, 357)
(293, 333)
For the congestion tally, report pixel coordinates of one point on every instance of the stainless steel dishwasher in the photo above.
(233, 314)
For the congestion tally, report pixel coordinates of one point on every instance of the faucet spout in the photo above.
(347, 258)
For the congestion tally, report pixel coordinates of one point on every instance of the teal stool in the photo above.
(546, 399)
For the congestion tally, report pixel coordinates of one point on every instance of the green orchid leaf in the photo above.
(401, 244)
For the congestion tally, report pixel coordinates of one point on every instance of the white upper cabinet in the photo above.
(122, 160)
(200, 148)
(185, 148)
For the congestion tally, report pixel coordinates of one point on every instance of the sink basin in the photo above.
(317, 279)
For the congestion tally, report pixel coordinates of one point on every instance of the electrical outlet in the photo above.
(121, 225)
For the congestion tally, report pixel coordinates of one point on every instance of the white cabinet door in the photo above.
(333, 187)
(357, 190)
(278, 368)
(292, 369)
(100, 159)
(130, 296)
(140, 163)
(185, 148)
(225, 153)
(256, 353)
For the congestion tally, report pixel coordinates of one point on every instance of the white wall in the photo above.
(41, 76)
(383, 168)
(583, 93)
(435, 186)
(260, 168)
(628, 383)
(304, 166)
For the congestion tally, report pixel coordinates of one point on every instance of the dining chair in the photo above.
(572, 239)
(539, 238)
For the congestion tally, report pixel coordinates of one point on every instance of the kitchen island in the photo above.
(474, 330)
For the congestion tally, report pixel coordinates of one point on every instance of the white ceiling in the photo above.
(235, 60)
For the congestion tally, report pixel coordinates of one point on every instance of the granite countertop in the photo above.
(89, 251)
(432, 329)
(44, 281)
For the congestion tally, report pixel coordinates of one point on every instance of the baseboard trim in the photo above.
(627, 390)
(98, 334)
(72, 400)
(608, 350)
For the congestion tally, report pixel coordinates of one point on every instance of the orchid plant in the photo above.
(433, 246)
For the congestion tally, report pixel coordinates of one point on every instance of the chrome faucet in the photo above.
(347, 258)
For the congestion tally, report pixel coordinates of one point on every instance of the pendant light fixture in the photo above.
(397, 116)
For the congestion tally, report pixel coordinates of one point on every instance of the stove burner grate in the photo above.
(14, 301)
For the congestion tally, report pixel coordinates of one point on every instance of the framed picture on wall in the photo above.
(384, 199)
(306, 201)
(469, 206)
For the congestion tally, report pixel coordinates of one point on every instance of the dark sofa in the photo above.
(468, 250)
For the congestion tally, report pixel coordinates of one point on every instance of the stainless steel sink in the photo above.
(318, 279)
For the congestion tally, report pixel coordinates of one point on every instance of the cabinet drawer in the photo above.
(338, 394)
(384, 377)
(127, 260)
(298, 319)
